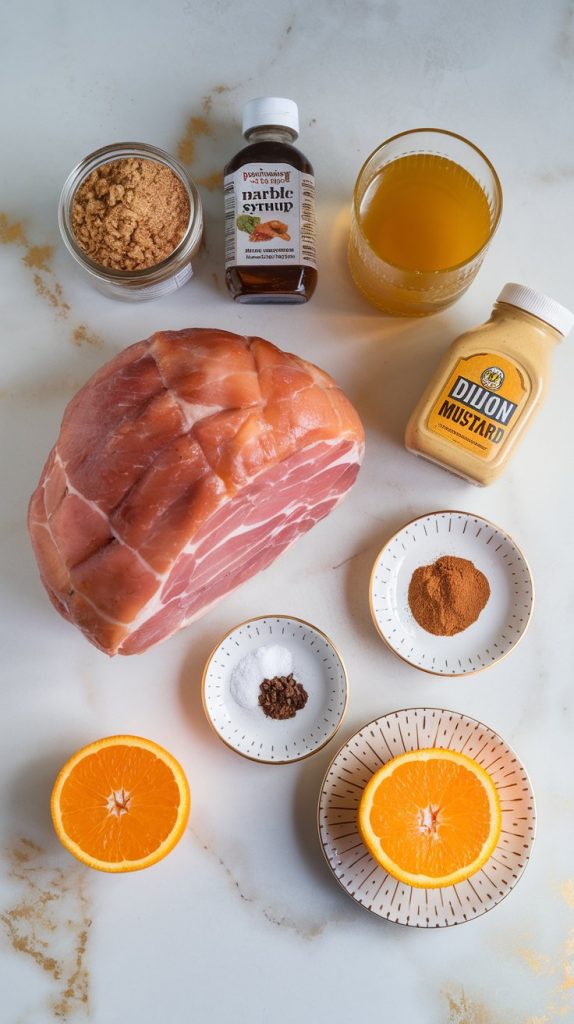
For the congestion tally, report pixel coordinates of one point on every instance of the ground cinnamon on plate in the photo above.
(447, 596)
(130, 214)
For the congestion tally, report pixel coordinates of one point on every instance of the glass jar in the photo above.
(400, 290)
(152, 282)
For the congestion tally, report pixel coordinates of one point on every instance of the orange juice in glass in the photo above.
(426, 205)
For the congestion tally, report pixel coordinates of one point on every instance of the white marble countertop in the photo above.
(243, 922)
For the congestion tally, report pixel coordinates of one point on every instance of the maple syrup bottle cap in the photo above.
(272, 111)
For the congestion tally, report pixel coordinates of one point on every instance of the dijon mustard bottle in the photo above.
(489, 385)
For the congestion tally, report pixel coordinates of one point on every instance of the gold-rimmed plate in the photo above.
(352, 864)
(500, 625)
(317, 665)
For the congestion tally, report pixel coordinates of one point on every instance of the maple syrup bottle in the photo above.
(269, 193)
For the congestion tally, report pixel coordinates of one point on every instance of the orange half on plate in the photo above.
(430, 817)
(120, 804)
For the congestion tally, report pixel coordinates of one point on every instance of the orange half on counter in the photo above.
(120, 804)
(430, 817)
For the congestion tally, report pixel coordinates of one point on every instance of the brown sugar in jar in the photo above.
(446, 597)
(131, 217)
(130, 214)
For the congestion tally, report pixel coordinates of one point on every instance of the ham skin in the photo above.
(184, 466)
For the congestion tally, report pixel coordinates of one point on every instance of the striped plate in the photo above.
(351, 862)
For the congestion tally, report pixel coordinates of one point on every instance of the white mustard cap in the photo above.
(542, 306)
(271, 110)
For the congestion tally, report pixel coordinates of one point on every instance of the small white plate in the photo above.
(352, 864)
(501, 623)
(317, 665)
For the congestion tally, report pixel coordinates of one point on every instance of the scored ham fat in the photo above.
(184, 466)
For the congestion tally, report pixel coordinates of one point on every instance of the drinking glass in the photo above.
(409, 292)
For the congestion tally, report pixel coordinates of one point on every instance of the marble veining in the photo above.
(271, 913)
(49, 923)
(246, 898)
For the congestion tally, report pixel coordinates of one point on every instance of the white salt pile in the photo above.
(275, 660)
(245, 681)
(265, 663)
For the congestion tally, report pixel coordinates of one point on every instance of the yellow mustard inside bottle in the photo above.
(488, 386)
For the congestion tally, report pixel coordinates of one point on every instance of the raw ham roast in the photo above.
(184, 466)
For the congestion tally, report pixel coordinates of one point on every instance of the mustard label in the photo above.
(480, 403)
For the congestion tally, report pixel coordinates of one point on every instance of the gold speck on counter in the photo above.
(38, 260)
(198, 126)
(38, 257)
(536, 962)
(11, 233)
(567, 892)
(195, 127)
(468, 1011)
(211, 181)
(83, 336)
(554, 971)
(53, 293)
(49, 923)
(207, 101)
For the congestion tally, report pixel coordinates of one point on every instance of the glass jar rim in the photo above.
(466, 142)
(108, 154)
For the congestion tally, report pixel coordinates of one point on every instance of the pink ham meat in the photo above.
(184, 466)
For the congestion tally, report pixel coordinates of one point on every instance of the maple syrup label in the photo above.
(480, 403)
(269, 216)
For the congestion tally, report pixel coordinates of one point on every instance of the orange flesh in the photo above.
(426, 213)
(432, 817)
(119, 803)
